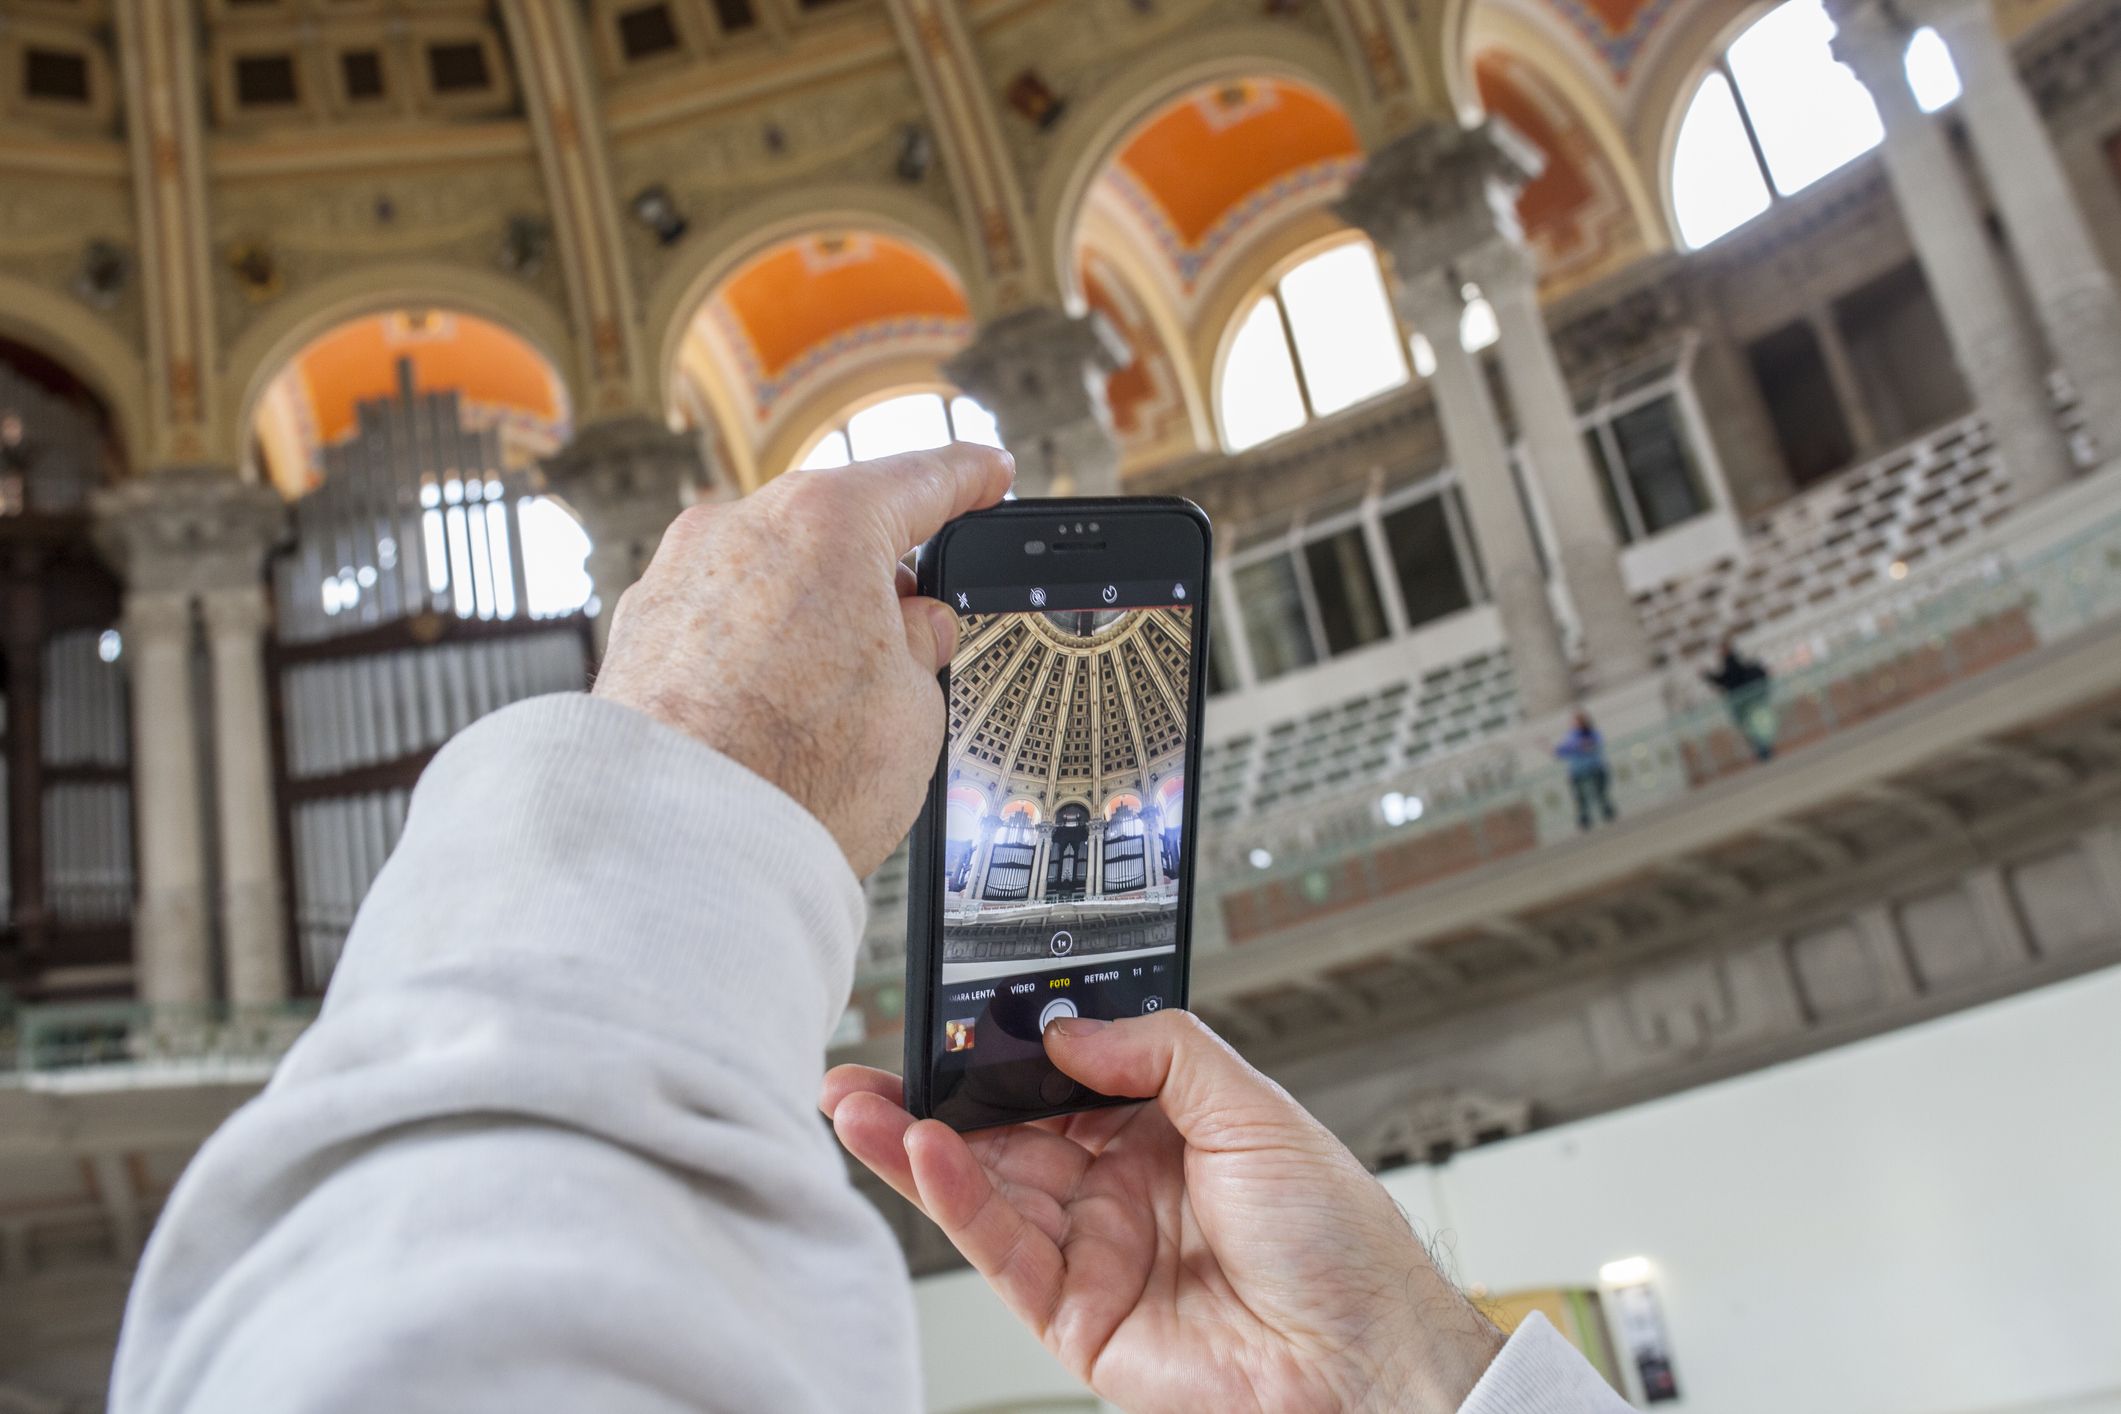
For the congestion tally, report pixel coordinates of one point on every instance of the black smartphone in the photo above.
(1051, 871)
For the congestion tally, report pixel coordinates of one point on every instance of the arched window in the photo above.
(1322, 339)
(1776, 112)
(911, 422)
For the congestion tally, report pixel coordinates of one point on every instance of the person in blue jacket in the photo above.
(1583, 750)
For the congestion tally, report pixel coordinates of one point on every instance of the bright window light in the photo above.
(974, 423)
(1424, 355)
(1259, 398)
(1930, 71)
(1810, 113)
(1261, 859)
(911, 423)
(1716, 184)
(828, 453)
(554, 550)
(1476, 327)
(1342, 320)
(1400, 809)
(1628, 1271)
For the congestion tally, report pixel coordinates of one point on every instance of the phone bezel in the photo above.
(986, 544)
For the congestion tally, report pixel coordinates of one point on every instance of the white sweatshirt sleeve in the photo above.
(553, 1142)
(1538, 1372)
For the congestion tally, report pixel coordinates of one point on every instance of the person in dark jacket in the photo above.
(1747, 686)
(1583, 750)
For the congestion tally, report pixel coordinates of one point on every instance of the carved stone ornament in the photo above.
(1041, 372)
(188, 529)
(1440, 190)
(1438, 1123)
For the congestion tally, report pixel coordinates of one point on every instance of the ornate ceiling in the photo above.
(808, 309)
(1032, 696)
(1224, 161)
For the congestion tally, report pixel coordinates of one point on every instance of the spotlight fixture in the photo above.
(654, 208)
(916, 154)
(1029, 95)
(524, 243)
(101, 278)
(256, 269)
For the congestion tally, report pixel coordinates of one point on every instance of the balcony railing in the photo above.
(146, 1045)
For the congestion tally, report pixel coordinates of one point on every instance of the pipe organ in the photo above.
(66, 873)
(407, 608)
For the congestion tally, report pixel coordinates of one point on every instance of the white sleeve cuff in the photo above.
(1539, 1372)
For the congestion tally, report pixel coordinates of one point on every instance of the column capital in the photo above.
(1432, 300)
(629, 467)
(1503, 269)
(152, 616)
(1429, 196)
(1872, 40)
(1042, 372)
(189, 529)
(238, 613)
(1040, 369)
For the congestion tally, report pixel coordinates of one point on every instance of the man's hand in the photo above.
(1215, 1249)
(783, 631)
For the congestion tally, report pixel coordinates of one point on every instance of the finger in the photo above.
(909, 583)
(911, 496)
(1211, 1095)
(844, 1080)
(931, 632)
(1020, 1262)
(874, 1131)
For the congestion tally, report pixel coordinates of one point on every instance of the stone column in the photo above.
(253, 924)
(1042, 374)
(1999, 356)
(1094, 883)
(172, 963)
(1589, 551)
(626, 479)
(1431, 302)
(2074, 293)
(180, 537)
(1041, 852)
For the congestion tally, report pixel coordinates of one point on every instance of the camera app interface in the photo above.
(1066, 795)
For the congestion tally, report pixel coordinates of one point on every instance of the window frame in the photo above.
(1634, 386)
(1719, 64)
(1367, 513)
(839, 420)
(1271, 291)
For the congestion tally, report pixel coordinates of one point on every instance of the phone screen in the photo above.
(1063, 844)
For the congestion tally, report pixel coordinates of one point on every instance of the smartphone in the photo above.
(1051, 871)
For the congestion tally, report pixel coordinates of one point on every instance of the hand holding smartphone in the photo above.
(1052, 866)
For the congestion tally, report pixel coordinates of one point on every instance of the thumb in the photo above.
(931, 632)
(1207, 1090)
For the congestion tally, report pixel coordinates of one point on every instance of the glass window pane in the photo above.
(1424, 560)
(1476, 327)
(1810, 113)
(1424, 355)
(1343, 327)
(1660, 465)
(1716, 185)
(973, 423)
(1346, 590)
(1930, 71)
(1258, 398)
(912, 423)
(1272, 607)
(555, 548)
(830, 452)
